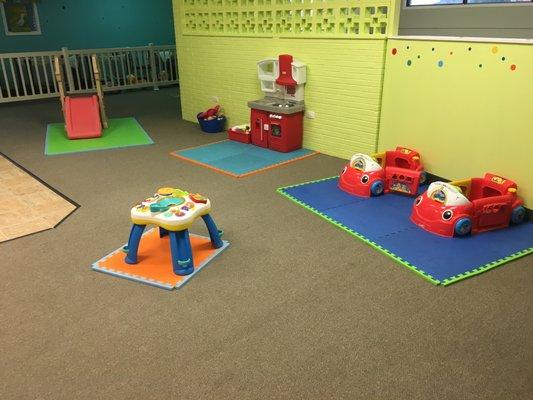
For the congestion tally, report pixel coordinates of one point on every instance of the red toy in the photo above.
(397, 170)
(85, 116)
(82, 117)
(240, 133)
(210, 114)
(469, 206)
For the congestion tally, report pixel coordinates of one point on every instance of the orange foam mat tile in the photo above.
(155, 262)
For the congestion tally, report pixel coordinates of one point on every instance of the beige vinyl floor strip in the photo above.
(27, 206)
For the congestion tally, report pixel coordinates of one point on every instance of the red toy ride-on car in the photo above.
(397, 170)
(469, 206)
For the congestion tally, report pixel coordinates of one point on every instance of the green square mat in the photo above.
(122, 132)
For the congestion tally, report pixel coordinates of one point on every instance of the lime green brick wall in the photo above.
(465, 106)
(344, 75)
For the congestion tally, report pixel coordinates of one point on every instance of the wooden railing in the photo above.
(28, 76)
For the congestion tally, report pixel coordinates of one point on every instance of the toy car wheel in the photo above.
(423, 178)
(518, 215)
(377, 188)
(463, 226)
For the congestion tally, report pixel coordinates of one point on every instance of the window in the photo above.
(446, 2)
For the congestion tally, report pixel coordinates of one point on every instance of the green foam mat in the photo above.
(122, 132)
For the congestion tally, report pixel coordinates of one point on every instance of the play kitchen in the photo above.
(276, 121)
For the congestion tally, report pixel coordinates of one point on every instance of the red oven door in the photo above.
(286, 132)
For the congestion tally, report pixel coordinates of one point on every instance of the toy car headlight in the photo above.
(418, 200)
(365, 179)
(447, 215)
(344, 170)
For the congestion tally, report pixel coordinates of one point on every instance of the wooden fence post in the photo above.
(152, 65)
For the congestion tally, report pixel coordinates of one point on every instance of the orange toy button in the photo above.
(165, 191)
(198, 198)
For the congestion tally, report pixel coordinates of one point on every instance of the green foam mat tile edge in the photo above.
(487, 267)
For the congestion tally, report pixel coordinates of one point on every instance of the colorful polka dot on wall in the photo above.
(394, 51)
(513, 67)
(494, 49)
(440, 64)
(409, 62)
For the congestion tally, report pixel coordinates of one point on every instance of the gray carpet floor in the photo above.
(294, 309)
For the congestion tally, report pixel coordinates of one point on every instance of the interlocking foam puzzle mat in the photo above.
(122, 132)
(155, 263)
(383, 223)
(239, 159)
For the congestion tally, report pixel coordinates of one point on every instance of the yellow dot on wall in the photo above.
(494, 49)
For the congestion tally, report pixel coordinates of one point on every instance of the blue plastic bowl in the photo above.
(213, 126)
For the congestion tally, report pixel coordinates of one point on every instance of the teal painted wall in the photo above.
(84, 24)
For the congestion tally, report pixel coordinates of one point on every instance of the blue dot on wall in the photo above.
(440, 63)
(409, 62)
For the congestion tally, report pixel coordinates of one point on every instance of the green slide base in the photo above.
(122, 132)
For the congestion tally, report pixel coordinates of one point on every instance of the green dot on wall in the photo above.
(409, 62)
(440, 63)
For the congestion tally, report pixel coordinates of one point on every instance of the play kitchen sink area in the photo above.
(276, 121)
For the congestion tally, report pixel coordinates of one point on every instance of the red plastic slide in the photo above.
(82, 117)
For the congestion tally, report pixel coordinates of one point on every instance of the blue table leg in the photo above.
(133, 243)
(180, 248)
(214, 233)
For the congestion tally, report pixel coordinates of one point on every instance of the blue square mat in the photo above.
(383, 222)
(239, 159)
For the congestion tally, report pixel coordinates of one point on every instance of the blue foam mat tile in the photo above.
(455, 256)
(322, 195)
(239, 158)
(367, 223)
(209, 153)
(241, 163)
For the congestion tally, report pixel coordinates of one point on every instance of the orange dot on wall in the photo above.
(494, 49)
(513, 67)
(394, 51)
